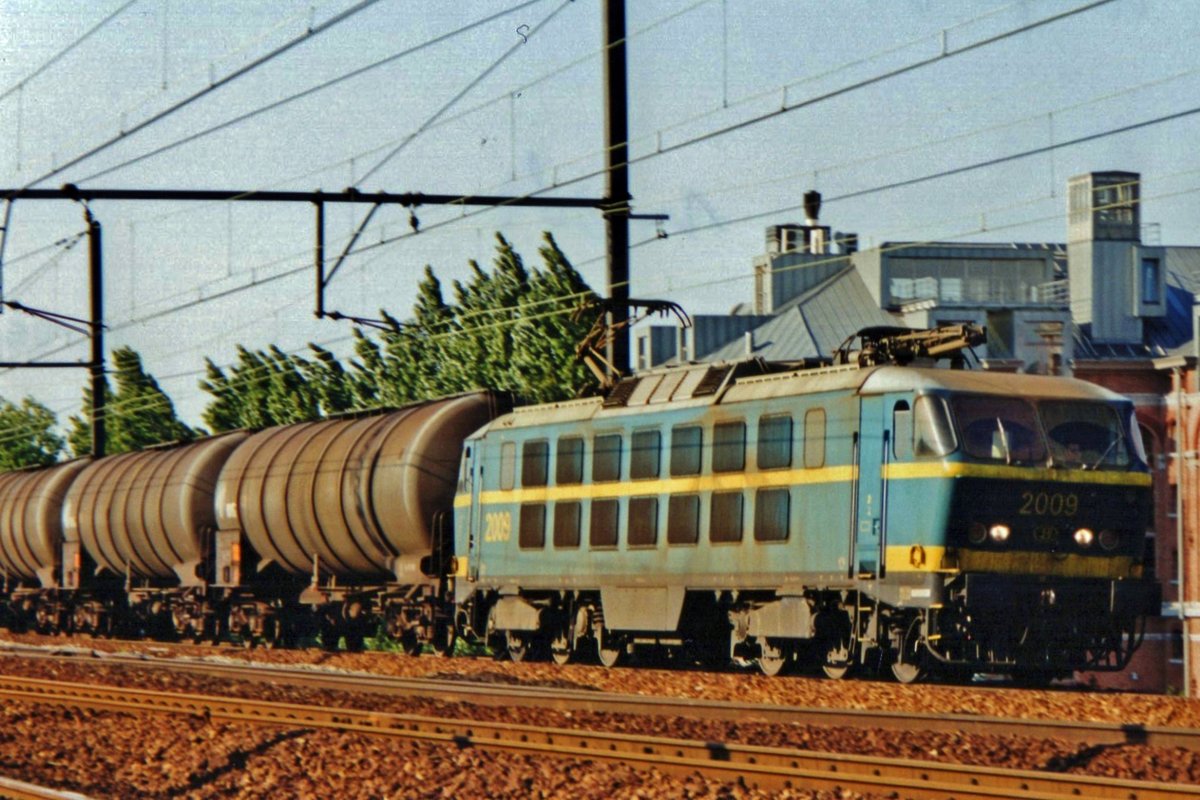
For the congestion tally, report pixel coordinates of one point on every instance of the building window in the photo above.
(535, 463)
(643, 521)
(644, 455)
(532, 532)
(643, 362)
(569, 465)
(605, 519)
(772, 509)
(566, 524)
(606, 458)
(729, 447)
(1151, 268)
(814, 438)
(725, 517)
(686, 443)
(1177, 646)
(683, 519)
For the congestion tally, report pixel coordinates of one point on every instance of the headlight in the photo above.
(1084, 537)
(977, 533)
(1109, 539)
(999, 532)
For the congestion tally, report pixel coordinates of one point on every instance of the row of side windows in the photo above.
(772, 515)
(776, 443)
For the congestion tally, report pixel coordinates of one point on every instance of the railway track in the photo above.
(575, 700)
(768, 768)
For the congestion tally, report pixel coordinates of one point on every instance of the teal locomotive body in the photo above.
(905, 517)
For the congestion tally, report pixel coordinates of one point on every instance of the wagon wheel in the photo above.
(610, 649)
(411, 643)
(517, 645)
(907, 668)
(772, 658)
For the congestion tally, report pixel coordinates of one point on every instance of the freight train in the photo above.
(878, 511)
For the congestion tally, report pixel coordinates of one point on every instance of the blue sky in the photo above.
(878, 93)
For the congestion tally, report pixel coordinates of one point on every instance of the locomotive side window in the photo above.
(729, 447)
(531, 534)
(606, 458)
(934, 435)
(566, 524)
(508, 465)
(683, 519)
(725, 517)
(535, 463)
(603, 529)
(902, 431)
(772, 510)
(686, 448)
(775, 441)
(999, 429)
(568, 467)
(644, 455)
(814, 438)
(643, 521)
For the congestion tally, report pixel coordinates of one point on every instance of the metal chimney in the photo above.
(812, 207)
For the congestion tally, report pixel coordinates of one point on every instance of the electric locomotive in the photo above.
(870, 512)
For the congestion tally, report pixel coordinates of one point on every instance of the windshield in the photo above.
(1084, 434)
(999, 429)
(1076, 434)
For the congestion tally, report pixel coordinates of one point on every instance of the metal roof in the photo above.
(813, 324)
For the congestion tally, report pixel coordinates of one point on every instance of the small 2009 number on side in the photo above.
(497, 526)
(1054, 504)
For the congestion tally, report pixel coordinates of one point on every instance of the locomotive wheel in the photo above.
(517, 645)
(907, 667)
(445, 636)
(610, 649)
(773, 657)
(560, 649)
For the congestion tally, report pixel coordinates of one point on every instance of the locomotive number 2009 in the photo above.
(1054, 504)
(497, 526)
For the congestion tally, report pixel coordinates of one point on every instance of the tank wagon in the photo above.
(867, 513)
(896, 516)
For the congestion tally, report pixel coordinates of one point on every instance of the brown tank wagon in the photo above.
(31, 530)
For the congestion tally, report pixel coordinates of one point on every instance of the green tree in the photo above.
(137, 415)
(27, 437)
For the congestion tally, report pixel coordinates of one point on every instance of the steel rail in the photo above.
(767, 768)
(11, 789)
(590, 700)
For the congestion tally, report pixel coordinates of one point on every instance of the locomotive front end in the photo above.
(1047, 509)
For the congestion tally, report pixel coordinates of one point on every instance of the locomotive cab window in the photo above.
(644, 454)
(1085, 434)
(775, 441)
(729, 447)
(606, 458)
(535, 463)
(933, 434)
(686, 447)
(568, 467)
(1003, 429)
